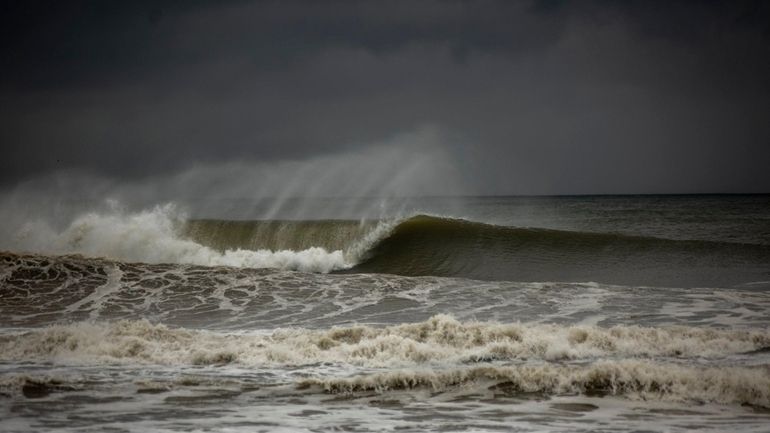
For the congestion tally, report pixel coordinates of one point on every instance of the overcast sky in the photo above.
(542, 97)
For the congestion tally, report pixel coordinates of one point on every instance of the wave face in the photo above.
(426, 245)
(331, 235)
(420, 245)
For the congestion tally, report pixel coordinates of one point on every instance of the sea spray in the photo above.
(155, 236)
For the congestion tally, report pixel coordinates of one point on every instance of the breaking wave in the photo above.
(440, 339)
(157, 236)
(416, 246)
(627, 378)
(632, 379)
(436, 354)
(427, 245)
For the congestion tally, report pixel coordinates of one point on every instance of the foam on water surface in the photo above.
(215, 398)
(440, 339)
(40, 290)
(150, 321)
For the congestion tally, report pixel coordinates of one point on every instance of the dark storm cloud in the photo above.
(533, 97)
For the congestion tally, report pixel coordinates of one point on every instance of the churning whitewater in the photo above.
(437, 340)
(154, 236)
(416, 321)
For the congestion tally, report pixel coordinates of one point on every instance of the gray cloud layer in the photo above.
(531, 97)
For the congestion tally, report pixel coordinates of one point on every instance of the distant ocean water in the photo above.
(591, 313)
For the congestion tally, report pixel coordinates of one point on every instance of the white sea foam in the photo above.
(439, 340)
(152, 236)
(630, 378)
(637, 379)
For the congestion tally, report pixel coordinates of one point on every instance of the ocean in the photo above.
(528, 314)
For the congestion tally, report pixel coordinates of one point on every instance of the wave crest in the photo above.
(415, 246)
